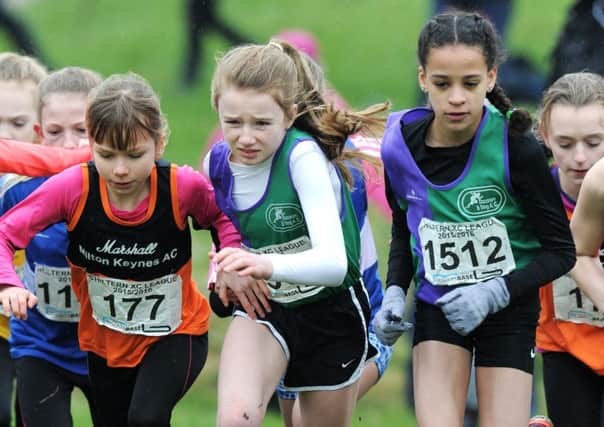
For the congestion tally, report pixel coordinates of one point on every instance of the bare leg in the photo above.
(441, 373)
(504, 396)
(251, 364)
(328, 408)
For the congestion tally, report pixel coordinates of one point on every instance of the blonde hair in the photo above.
(124, 109)
(21, 68)
(291, 78)
(67, 80)
(573, 89)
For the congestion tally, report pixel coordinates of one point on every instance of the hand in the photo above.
(466, 307)
(253, 295)
(15, 301)
(388, 322)
(243, 262)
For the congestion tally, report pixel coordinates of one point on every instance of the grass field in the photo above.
(368, 53)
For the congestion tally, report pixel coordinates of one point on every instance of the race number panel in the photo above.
(285, 292)
(56, 300)
(465, 252)
(152, 307)
(572, 305)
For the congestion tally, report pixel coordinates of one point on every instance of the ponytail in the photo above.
(519, 119)
(329, 125)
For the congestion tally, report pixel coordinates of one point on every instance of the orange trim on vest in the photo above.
(583, 342)
(126, 350)
(150, 209)
(83, 198)
(174, 198)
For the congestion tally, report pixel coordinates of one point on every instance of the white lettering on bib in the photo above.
(153, 307)
(465, 252)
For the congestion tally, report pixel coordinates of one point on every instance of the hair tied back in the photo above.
(275, 44)
(509, 113)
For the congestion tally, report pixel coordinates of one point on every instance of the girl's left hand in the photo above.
(244, 263)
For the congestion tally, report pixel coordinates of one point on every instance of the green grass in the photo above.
(367, 49)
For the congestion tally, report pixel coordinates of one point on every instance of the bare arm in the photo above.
(587, 225)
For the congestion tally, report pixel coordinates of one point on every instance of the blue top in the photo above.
(38, 336)
(368, 264)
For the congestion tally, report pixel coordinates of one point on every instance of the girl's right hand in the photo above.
(16, 301)
(253, 295)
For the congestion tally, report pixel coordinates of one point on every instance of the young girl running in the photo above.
(142, 319)
(45, 348)
(300, 234)
(477, 223)
(19, 78)
(374, 369)
(570, 332)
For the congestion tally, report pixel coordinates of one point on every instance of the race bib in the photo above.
(457, 253)
(151, 308)
(285, 292)
(572, 305)
(56, 300)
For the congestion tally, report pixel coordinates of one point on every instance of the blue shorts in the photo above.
(381, 360)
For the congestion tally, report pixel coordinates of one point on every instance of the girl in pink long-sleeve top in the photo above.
(142, 319)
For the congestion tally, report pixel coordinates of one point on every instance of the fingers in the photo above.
(388, 331)
(6, 306)
(261, 298)
(448, 297)
(258, 299)
(461, 328)
(16, 301)
(223, 294)
(234, 262)
(32, 301)
(396, 313)
(247, 306)
(225, 257)
(20, 307)
(264, 294)
(256, 304)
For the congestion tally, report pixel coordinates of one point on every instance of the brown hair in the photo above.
(282, 71)
(124, 109)
(67, 80)
(574, 89)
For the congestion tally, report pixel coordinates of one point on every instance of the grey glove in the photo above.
(388, 322)
(466, 307)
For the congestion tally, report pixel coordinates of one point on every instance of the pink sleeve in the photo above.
(196, 197)
(34, 160)
(374, 182)
(54, 201)
(376, 190)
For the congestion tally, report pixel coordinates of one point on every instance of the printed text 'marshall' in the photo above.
(110, 248)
